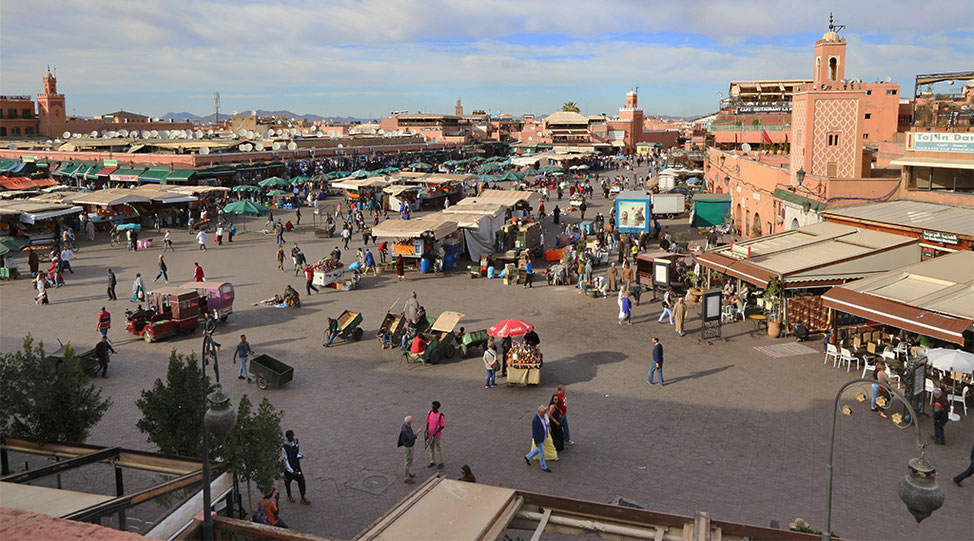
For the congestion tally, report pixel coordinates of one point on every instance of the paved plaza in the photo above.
(734, 432)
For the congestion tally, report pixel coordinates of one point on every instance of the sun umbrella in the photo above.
(511, 175)
(486, 178)
(299, 180)
(273, 181)
(419, 165)
(248, 208)
(550, 169)
(245, 188)
(488, 167)
(361, 173)
(278, 192)
(510, 327)
(693, 181)
(12, 244)
(321, 177)
(951, 360)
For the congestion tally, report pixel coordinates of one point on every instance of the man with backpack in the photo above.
(267, 510)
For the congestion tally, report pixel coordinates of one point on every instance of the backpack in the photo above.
(260, 516)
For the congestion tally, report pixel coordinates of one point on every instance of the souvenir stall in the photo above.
(112, 206)
(524, 364)
(396, 195)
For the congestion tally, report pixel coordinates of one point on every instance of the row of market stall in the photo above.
(470, 226)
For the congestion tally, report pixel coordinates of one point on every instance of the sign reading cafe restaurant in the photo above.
(940, 142)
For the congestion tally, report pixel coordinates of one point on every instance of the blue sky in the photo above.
(368, 57)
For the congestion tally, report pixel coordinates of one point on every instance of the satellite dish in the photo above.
(49, 141)
(746, 147)
(259, 147)
(244, 147)
(93, 134)
(154, 134)
(306, 131)
(276, 146)
(104, 133)
(164, 134)
(888, 79)
(199, 134)
(294, 131)
(209, 132)
(145, 134)
(242, 132)
(250, 134)
(123, 133)
(204, 150)
(113, 134)
(292, 146)
(66, 135)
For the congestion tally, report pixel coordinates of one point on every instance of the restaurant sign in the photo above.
(937, 236)
(110, 163)
(962, 143)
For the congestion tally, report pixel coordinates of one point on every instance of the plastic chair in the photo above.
(928, 386)
(902, 349)
(869, 366)
(892, 376)
(831, 351)
(846, 356)
(962, 398)
(728, 313)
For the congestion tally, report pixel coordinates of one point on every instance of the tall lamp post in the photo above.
(919, 489)
(218, 420)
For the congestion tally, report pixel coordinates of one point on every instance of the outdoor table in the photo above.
(759, 320)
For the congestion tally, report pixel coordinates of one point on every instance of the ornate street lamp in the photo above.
(919, 490)
(218, 420)
(800, 175)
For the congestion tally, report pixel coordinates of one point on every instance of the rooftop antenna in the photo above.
(216, 105)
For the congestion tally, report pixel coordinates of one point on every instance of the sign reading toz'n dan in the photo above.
(940, 142)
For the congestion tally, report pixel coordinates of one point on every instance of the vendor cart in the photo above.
(348, 326)
(327, 272)
(269, 372)
(469, 342)
(441, 332)
(429, 355)
(524, 365)
(87, 361)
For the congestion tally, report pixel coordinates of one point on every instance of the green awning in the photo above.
(709, 209)
(12, 244)
(67, 168)
(792, 197)
(154, 174)
(92, 172)
(179, 175)
(41, 165)
(62, 168)
(219, 170)
(4, 164)
(82, 170)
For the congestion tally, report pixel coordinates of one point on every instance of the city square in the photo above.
(801, 254)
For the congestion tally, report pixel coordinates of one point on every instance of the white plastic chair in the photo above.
(868, 366)
(831, 352)
(889, 355)
(928, 386)
(892, 376)
(902, 349)
(962, 398)
(846, 356)
(728, 313)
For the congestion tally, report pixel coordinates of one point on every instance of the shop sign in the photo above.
(769, 108)
(743, 252)
(27, 159)
(962, 143)
(937, 236)
(111, 163)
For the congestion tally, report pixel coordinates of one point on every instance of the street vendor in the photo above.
(532, 339)
(291, 297)
(411, 309)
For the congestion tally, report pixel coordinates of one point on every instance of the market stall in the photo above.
(524, 364)
(113, 205)
(397, 195)
(419, 239)
(480, 223)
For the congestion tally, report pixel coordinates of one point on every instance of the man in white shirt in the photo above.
(66, 256)
(201, 238)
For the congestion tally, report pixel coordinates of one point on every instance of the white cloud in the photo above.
(322, 52)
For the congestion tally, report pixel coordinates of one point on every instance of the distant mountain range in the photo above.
(260, 112)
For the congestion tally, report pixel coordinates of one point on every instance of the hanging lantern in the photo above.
(919, 490)
(220, 417)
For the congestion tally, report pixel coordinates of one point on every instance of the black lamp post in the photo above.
(800, 175)
(218, 420)
(919, 489)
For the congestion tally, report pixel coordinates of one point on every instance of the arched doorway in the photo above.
(737, 218)
(756, 225)
(794, 223)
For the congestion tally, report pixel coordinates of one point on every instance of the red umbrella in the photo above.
(510, 327)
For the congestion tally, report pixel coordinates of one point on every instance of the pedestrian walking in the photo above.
(667, 306)
(163, 269)
(198, 275)
(167, 242)
(612, 278)
(657, 365)
(529, 274)
(346, 234)
(300, 261)
(400, 268)
(104, 322)
(90, 230)
(231, 231)
(66, 256)
(138, 288)
(40, 282)
(555, 424)
(112, 282)
(297, 215)
(309, 275)
(280, 258)
(292, 466)
(556, 214)
(539, 434)
(102, 350)
(563, 410)
(626, 275)
(294, 258)
(219, 235)
(279, 232)
(966, 473)
(680, 315)
(434, 434)
(369, 263)
(243, 352)
(201, 239)
(490, 363)
(407, 439)
(625, 308)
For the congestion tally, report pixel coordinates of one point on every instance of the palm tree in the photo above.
(570, 107)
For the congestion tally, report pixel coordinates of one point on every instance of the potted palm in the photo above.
(772, 294)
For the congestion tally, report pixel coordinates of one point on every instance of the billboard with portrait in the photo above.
(632, 216)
